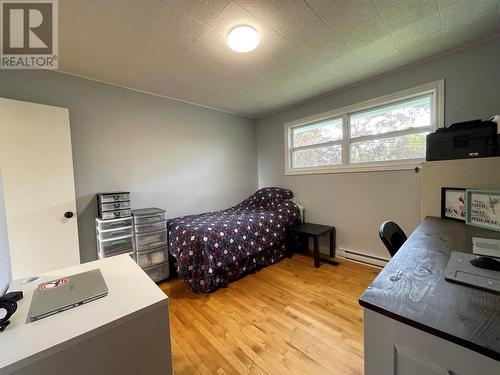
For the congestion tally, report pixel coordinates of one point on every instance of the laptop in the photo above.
(61, 294)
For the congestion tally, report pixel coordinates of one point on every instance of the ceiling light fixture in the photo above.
(243, 39)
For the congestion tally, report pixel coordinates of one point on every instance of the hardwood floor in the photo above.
(289, 318)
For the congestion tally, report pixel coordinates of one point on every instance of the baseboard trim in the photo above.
(360, 257)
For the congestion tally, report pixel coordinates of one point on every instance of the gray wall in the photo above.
(356, 203)
(180, 157)
(5, 271)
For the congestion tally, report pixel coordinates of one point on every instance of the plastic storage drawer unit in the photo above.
(114, 237)
(158, 273)
(113, 205)
(150, 234)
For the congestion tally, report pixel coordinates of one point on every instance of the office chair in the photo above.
(392, 236)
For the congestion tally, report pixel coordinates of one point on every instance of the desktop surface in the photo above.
(412, 289)
(131, 294)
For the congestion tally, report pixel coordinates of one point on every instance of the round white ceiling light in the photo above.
(243, 39)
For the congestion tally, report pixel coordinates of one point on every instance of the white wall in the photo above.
(357, 203)
(177, 156)
(5, 270)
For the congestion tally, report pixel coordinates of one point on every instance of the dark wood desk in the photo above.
(315, 231)
(411, 289)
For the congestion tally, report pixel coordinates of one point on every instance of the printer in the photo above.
(463, 140)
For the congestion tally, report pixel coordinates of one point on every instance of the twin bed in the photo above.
(215, 248)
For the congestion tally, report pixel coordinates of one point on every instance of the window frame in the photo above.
(437, 120)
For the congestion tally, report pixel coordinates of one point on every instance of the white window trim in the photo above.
(437, 121)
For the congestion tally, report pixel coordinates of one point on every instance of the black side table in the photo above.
(306, 230)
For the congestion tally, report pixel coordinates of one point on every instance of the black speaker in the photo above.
(8, 306)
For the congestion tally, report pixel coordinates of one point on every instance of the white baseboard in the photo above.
(361, 257)
(354, 255)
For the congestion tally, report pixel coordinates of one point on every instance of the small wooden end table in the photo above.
(315, 231)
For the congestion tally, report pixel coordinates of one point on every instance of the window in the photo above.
(380, 134)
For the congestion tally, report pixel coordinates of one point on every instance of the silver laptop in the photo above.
(61, 294)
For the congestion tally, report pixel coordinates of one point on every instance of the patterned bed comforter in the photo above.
(215, 248)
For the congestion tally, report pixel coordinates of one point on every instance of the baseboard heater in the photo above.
(362, 257)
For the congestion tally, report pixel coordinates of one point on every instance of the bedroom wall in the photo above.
(356, 203)
(181, 157)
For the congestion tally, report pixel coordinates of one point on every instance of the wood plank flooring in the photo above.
(289, 318)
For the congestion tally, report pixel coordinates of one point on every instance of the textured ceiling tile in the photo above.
(426, 29)
(459, 13)
(99, 43)
(136, 14)
(413, 52)
(465, 21)
(366, 33)
(356, 24)
(408, 12)
(377, 49)
(272, 51)
(294, 20)
(340, 12)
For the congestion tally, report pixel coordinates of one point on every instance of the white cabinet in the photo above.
(394, 348)
(125, 333)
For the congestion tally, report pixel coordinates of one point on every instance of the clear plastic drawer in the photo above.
(158, 273)
(149, 241)
(116, 246)
(153, 227)
(113, 197)
(115, 206)
(152, 257)
(106, 215)
(149, 219)
(114, 233)
(113, 224)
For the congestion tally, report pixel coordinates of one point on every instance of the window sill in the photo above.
(356, 169)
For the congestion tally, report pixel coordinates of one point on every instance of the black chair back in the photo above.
(392, 236)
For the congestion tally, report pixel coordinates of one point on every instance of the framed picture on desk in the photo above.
(453, 205)
(483, 208)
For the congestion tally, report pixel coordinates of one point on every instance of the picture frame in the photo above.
(483, 208)
(453, 203)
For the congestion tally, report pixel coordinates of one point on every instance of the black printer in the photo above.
(463, 140)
